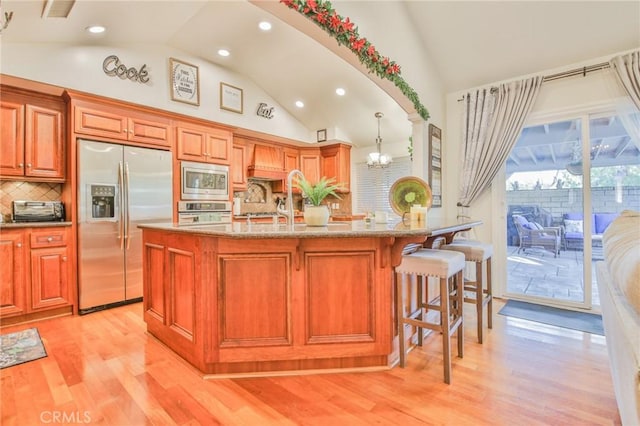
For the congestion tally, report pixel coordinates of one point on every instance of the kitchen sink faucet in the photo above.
(288, 213)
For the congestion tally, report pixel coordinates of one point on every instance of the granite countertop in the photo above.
(14, 225)
(353, 229)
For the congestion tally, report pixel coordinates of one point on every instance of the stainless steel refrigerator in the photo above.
(119, 187)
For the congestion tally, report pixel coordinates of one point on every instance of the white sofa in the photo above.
(619, 285)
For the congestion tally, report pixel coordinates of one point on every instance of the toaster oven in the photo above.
(38, 211)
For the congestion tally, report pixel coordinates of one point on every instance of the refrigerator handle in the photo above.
(121, 185)
(127, 214)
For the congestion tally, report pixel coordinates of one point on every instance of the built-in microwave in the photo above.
(201, 181)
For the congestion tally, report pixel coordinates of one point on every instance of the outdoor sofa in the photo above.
(573, 235)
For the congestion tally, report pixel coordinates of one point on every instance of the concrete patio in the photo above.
(536, 272)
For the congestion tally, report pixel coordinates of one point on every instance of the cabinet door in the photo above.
(191, 144)
(100, 123)
(12, 132)
(49, 275)
(150, 132)
(44, 143)
(310, 166)
(336, 163)
(239, 167)
(13, 288)
(218, 147)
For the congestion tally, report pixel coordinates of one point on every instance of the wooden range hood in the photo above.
(266, 164)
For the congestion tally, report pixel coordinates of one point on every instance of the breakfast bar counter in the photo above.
(260, 299)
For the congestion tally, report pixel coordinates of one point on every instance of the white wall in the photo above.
(80, 68)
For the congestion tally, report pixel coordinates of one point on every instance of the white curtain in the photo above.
(626, 69)
(493, 120)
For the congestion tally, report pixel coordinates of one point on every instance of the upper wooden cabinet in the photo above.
(238, 169)
(310, 164)
(335, 162)
(122, 124)
(203, 144)
(33, 135)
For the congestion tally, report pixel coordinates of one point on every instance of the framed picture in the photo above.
(230, 98)
(185, 82)
(434, 160)
(322, 135)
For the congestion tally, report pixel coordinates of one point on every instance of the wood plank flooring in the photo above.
(103, 368)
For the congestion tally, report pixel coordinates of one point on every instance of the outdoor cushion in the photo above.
(571, 226)
(603, 220)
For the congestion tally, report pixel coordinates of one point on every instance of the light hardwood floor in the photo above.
(103, 368)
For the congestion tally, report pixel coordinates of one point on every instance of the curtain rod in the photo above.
(570, 73)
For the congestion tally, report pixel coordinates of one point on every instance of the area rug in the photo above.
(20, 347)
(581, 321)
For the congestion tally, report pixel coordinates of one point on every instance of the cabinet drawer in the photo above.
(48, 238)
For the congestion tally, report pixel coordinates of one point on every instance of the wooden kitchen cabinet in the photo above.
(121, 124)
(13, 287)
(35, 271)
(238, 169)
(335, 162)
(203, 144)
(310, 164)
(49, 268)
(208, 298)
(33, 136)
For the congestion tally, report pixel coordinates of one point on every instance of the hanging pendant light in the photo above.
(377, 160)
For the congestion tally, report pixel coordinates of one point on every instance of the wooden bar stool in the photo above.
(480, 253)
(448, 267)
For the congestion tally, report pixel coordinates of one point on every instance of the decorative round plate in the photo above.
(408, 191)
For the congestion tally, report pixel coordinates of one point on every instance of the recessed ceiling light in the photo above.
(340, 91)
(96, 29)
(300, 104)
(223, 52)
(264, 25)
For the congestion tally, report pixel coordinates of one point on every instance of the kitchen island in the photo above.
(260, 299)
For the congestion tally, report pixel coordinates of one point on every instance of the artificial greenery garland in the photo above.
(346, 33)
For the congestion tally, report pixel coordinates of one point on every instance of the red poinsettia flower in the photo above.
(312, 6)
(393, 69)
(358, 44)
(371, 51)
(322, 17)
(335, 21)
(289, 3)
(385, 61)
(347, 25)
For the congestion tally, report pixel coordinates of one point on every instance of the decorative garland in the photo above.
(346, 33)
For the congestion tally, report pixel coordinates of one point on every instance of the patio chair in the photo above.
(534, 235)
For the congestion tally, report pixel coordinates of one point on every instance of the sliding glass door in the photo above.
(566, 181)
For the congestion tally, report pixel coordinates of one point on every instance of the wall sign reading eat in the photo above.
(114, 68)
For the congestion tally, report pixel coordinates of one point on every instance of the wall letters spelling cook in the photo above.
(113, 67)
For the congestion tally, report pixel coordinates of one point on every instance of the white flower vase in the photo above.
(316, 215)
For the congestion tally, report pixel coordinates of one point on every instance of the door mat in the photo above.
(20, 347)
(581, 321)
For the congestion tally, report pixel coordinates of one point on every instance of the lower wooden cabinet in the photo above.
(13, 288)
(35, 271)
(236, 305)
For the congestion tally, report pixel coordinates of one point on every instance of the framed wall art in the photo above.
(185, 82)
(230, 98)
(434, 160)
(322, 135)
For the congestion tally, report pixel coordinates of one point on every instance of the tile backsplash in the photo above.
(33, 191)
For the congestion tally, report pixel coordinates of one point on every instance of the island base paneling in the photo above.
(232, 306)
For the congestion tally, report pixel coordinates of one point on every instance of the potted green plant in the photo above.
(317, 214)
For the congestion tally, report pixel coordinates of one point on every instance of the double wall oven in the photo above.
(205, 194)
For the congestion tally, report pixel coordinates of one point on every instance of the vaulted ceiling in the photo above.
(470, 42)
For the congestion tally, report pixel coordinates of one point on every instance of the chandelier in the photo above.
(377, 160)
